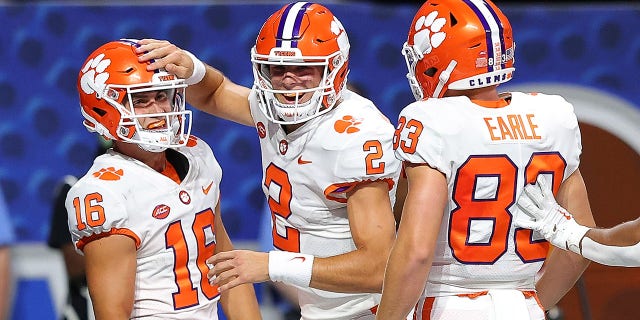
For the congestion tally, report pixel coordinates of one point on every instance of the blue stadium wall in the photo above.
(43, 47)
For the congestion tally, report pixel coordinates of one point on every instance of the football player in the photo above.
(146, 215)
(615, 246)
(468, 151)
(329, 172)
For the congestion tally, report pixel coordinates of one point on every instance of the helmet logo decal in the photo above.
(109, 174)
(428, 35)
(348, 124)
(93, 75)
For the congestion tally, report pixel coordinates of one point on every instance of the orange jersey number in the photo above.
(187, 295)
(414, 128)
(494, 210)
(374, 147)
(281, 207)
(93, 213)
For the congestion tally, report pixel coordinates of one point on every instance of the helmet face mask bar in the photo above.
(110, 79)
(300, 34)
(411, 57)
(323, 97)
(168, 130)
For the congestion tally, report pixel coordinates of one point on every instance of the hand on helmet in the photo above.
(545, 216)
(166, 56)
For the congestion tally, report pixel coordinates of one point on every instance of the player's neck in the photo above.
(155, 160)
(480, 94)
(288, 128)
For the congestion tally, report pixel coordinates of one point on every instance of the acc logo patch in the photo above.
(161, 211)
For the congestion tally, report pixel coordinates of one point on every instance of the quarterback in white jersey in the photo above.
(329, 172)
(468, 152)
(307, 175)
(146, 216)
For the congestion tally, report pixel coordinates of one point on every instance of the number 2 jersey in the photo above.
(487, 155)
(306, 175)
(172, 226)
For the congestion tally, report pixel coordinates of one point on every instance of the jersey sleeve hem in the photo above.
(122, 231)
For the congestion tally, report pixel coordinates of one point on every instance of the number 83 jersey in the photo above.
(172, 225)
(488, 153)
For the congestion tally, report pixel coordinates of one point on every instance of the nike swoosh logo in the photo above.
(302, 259)
(206, 189)
(300, 161)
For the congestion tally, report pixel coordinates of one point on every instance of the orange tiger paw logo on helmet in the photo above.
(348, 124)
(109, 174)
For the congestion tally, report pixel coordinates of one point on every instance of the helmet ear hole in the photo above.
(99, 111)
(453, 19)
(431, 72)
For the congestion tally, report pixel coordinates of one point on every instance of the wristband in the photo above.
(291, 267)
(198, 70)
(576, 233)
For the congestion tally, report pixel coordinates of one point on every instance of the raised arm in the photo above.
(209, 90)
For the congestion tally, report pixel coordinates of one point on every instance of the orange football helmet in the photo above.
(301, 33)
(458, 45)
(106, 82)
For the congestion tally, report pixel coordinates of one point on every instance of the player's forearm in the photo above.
(562, 270)
(5, 281)
(221, 97)
(623, 256)
(403, 284)
(624, 234)
(357, 271)
(240, 303)
(200, 95)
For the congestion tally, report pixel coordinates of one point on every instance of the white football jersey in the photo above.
(172, 225)
(487, 155)
(306, 175)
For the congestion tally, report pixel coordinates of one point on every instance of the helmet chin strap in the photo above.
(153, 145)
(302, 110)
(150, 148)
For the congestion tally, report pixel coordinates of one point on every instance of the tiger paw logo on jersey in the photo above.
(348, 124)
(109, 174)
(93, 77)
(430, 36)
(262, 130)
